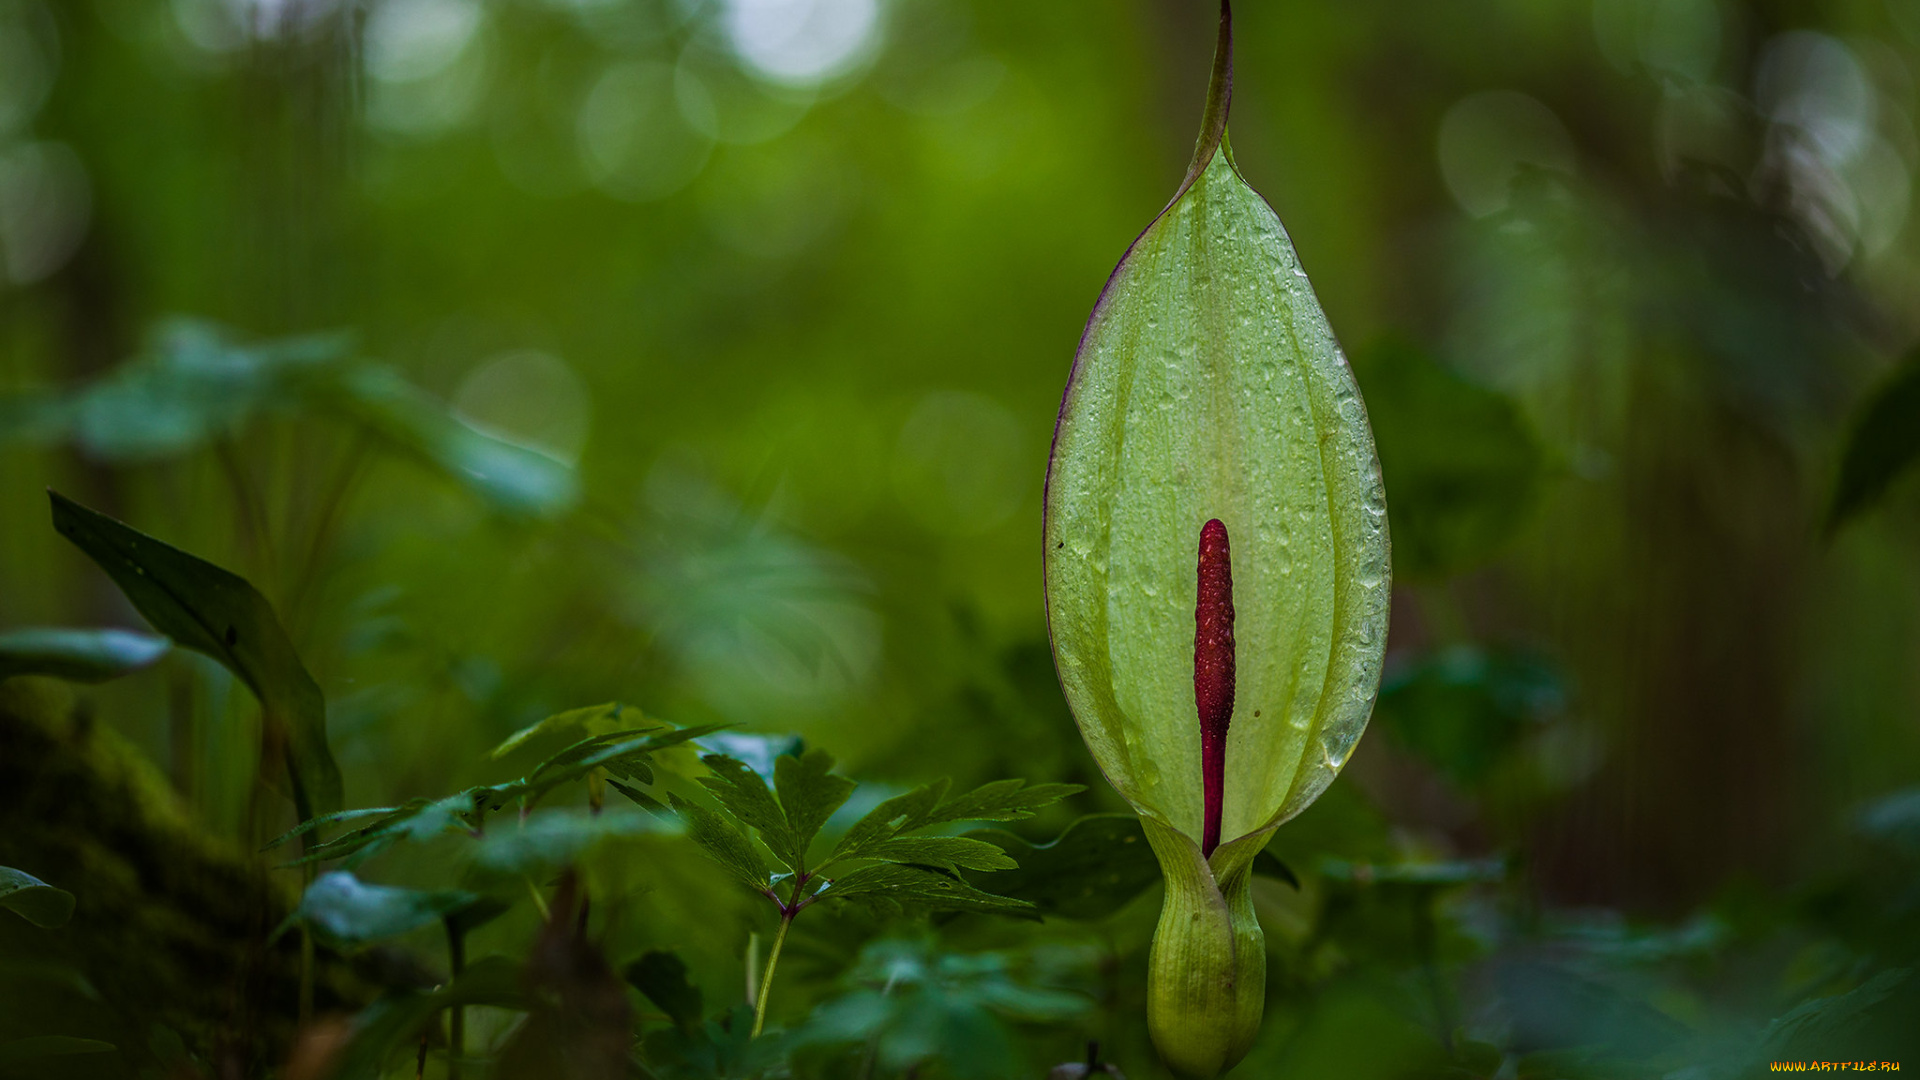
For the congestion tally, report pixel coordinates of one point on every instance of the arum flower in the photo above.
(1216, 570)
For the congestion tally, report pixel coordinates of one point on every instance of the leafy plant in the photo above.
(886, 859)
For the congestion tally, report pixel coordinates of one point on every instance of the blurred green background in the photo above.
(781, 296)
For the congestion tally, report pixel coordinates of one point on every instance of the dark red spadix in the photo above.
(1213, 671)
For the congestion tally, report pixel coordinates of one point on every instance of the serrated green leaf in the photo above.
(895, 884)
(890, 818)
(34, 900)
(638, 798)
(1208, 385)
(89, 656)
(1001, 800)
(662, 977)
(560, 721)
(1091, 870)
(724, 843)
(746, 796)
(809, 794)
(344, 912)
(211, 611)
(1883, 443)
(946, 852)
(340, 817)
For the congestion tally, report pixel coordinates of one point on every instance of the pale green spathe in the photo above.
(1209, 385)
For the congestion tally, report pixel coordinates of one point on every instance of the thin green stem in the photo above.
(456, 1014)
(766, 977)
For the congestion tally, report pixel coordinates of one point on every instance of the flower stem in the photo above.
(766, 976)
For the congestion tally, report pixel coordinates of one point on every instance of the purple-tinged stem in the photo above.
(1213, 672)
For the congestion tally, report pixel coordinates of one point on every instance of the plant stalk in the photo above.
(766, 977)
(456, 1013)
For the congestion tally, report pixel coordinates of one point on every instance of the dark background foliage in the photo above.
(768, 304)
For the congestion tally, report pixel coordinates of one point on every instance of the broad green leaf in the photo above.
(894, 885)
(34, 900)
(1090, 871)
(745, 795)
(194, 382)
(211, 611)
(662, 977)
(551, 839)
(1208, 385)
(512, 478)
(78, 655)
(809, 794)
(1462, 469)
(1883, 443)
(37, 1047)
(724, 843)
(344, 912)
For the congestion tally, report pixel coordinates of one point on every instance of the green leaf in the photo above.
(746, 796)
(346, 913)
(512, 478)
(1090, 871)
(662, 977)
(1462, 468)
(569, 720)
(211, 611)
(397, 1018)
(78, 655)
(551, 839)
(1822, 1018)
(809, 794)
(951, 853)
(1883, 443)
(890, 818)
(724, 843)
(893, 885)
(34, 900)
(46, 1046)
(1001, 800)
(1208, 385)
(1464, 709)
